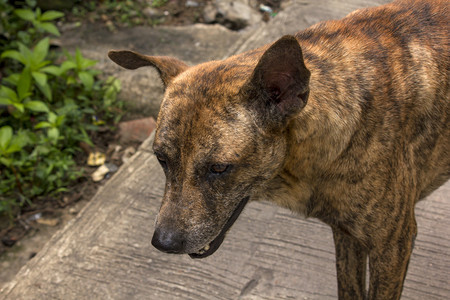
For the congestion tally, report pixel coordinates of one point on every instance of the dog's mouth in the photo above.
(211, 247)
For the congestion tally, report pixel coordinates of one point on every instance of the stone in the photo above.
(152, 13)
(103, 171)
(136, 130)
(209, 13)
(127, 154)
(233, 14)
(100, 173)
(190, 3)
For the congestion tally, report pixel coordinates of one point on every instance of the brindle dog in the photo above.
(347, 121)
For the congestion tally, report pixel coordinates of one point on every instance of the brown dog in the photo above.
(347, 121)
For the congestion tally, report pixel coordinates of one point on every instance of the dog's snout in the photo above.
(169, 241)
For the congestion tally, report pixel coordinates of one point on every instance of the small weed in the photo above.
(114, 13)
(158, 3)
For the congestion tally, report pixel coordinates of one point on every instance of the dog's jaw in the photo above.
(212, 246)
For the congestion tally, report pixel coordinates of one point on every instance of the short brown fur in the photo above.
(347, 121)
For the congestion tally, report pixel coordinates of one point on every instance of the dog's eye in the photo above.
(161, 160)
(219, 168)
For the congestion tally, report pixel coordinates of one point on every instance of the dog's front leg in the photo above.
(351, 258)
(388, 261)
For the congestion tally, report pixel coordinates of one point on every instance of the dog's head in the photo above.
(220, 137)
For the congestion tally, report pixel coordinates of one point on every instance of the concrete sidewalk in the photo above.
(105, 252)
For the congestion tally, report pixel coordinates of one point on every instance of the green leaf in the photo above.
(116, 84)
(41, 78)
(51, 15)
(70, 109)
(5, 137)
(68, 55)
(38, 12)
(41, 150)
(61, 189)
(25, 14)
(5, 101)
(86, 137)
(42, 125)
(40, 51)
(19, 106)
(49, 27)
(13, 78)
(22, 138)
(83, 63)
(70, 80)
(52, 117)
(88, 63)
(8, 93)
(45, 89)
(59, 120)
(89, 110)
(27, 54)
(6, 161)
(67, 65)
(24, 84)
(26, 36)
(14, 54)
(31, 3)
(13, 148)
(42, 64)
(78, 58)
(87, 79)
(37, 106)
(53, 133)
(53, 70)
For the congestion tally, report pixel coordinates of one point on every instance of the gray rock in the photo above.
(295, 16)
(232, 14)
(191, 3)
(152, 13)
(209, 13)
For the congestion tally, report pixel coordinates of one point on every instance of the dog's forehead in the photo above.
(209, 80)
(201, 104)
(208, 92)
(200, 127)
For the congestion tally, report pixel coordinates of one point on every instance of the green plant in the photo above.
(114, 13)
(47, 108)
(25, 24)
(40, 21)
(158, 3)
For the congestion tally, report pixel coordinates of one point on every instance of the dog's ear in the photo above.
(168, 67)
(279, 85)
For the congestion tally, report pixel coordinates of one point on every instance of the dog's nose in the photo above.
(169, 241)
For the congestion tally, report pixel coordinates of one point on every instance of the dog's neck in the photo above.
(316, 138)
